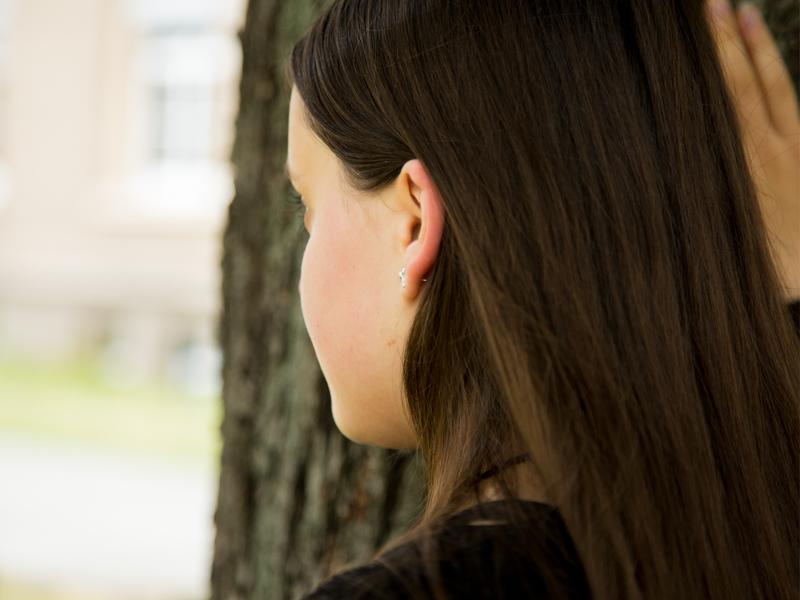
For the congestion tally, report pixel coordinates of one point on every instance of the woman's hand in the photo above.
(769, 115)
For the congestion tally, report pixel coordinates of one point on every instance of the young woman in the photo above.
(549, 249)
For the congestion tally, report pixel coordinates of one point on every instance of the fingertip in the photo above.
(719, 9)
(749, 17)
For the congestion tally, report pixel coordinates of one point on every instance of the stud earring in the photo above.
(402, 275)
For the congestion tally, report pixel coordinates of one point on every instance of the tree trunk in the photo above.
(296, 500)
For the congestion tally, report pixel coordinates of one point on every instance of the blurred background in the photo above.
(116, 124)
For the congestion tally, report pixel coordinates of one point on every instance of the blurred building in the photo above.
(116, 123)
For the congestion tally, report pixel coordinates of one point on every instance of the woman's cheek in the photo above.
(311, 305)
(321, 292)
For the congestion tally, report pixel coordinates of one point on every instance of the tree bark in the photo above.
(296, 500)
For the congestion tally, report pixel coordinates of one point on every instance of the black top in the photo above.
(480, 556)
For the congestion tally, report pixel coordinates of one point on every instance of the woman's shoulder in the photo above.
(483, 552)
(371, 580)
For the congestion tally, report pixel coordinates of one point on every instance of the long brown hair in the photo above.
(604, 296)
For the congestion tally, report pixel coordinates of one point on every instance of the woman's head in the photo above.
(601, 294)
(356, 308)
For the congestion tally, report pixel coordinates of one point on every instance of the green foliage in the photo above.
(74, 401)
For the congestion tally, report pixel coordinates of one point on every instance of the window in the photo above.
(183, 80)
(182, 122)
(184, 92)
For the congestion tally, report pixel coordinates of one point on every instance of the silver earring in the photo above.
(403, 277)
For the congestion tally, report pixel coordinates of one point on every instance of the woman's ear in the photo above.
(423, 247)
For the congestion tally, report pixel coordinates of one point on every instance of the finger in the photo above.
(776, 83)
(740, 74)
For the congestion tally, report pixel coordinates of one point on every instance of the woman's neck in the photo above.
(521, 481)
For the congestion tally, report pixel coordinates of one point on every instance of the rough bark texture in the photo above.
(296, 499)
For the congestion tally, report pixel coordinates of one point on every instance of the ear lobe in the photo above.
(422, 252)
